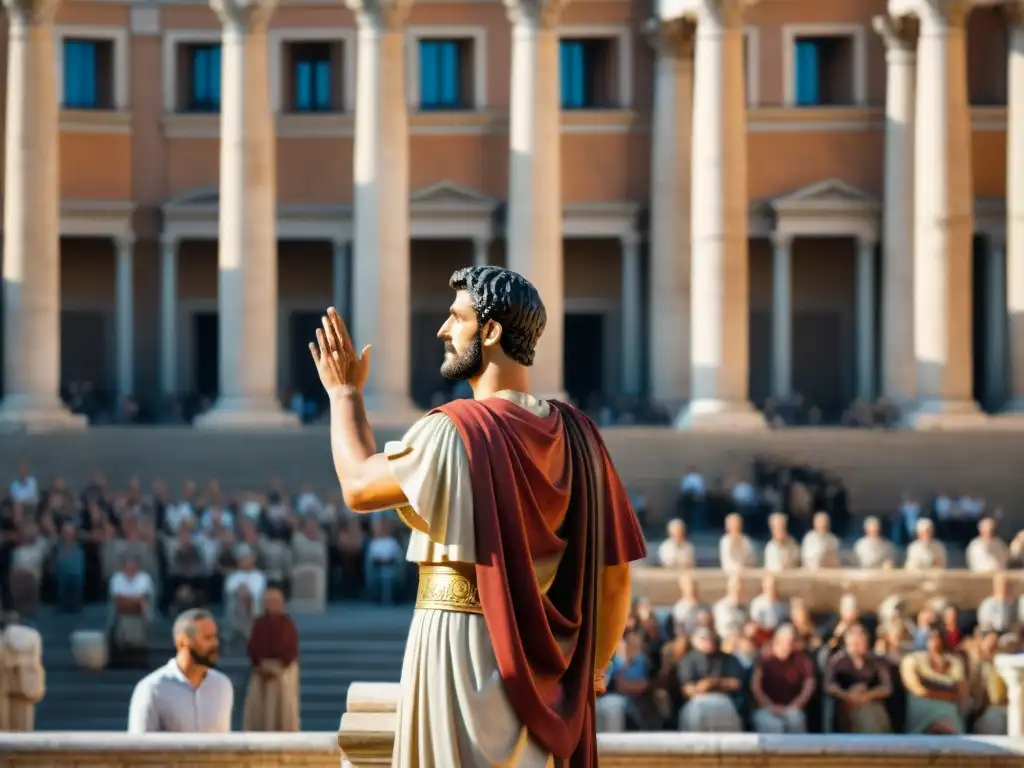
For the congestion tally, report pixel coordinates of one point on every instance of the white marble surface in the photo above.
(113, 743)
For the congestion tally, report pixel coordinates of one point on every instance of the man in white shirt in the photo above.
(687, 610)
(987, 552)
(820, 547)
(730, 612)
(997, 612)
(735, 550)
(24, 490)
(675, 551)
(925, 553)
(131, 594)
(781, 553)
(768, 609)
(384, 562)
(186, 695)
(181, 510)
(872, 550)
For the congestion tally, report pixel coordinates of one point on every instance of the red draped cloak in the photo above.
(545, 487)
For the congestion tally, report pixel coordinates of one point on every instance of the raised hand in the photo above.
(335, 357)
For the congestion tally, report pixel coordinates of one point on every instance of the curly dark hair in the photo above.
(510, 300)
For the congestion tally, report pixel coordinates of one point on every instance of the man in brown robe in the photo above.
(272, 701)
(522, 531)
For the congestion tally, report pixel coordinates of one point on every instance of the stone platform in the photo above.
(632, 750)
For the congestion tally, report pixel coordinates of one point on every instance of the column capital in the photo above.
(630, 240)
(125, 242)
(538, 13)
(943, 13)
(380, 14)
(31, 12)
(781, 240)
(671, 39)
(867, 242)
(169, 242)
(728, 13)
(899, 33)
(340, 242)
(244, 14)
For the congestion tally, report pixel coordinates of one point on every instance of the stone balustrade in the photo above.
(821, 589)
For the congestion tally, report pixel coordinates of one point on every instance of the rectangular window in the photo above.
(202, 63)
(88, 73)
(313, 81)
(587, 73)
(823, 68)
(446, 79)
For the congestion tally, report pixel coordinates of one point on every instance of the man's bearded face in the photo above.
(465, 363)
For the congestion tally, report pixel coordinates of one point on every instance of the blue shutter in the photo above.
(429, 65)
(808, 75)
(322, 85)
(303, 86)
(449, 66)
(81, 90)
(573, 74)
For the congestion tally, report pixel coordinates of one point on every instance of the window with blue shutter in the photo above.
(312, 78)
(808, 73)
(82, 86)
(204, 78)
(442, 78)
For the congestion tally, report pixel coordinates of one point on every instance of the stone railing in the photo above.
(821, 589)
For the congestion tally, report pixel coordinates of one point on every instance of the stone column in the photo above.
(481, 251)
(632, 350)
(995, 324)
(782, 316)
(719, 296)
(899, 372)
(866, 248)
(169, 315)
(1015, 206)
(1011, 669)
(668, 327)
(31, 227)
(124, 296)
(534, 220)
(381, 266)
(341, 295)
(943, 221)
(247, 247)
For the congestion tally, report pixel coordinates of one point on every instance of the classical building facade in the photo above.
(725, 202)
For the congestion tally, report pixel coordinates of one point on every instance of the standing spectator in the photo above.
(186, 695)
(782, 685)
(272, 701)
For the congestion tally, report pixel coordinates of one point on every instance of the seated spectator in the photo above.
(629, 701)
(849, 616)
(873, 550)
(647, 624)
(132, 595)
(186, 567)
(820, 547)
(936, 685)
(987, 552)
(349, 547)
(988, 692)
(997, 612)
(69, 570)
(782, 685)
(744, 644)
(224, 562)
(807, 634)
(182, 510)
(730, 613)
(861, 684)
(735, 551)
(243, 594)
(676, 551)
(272, 700)
(27, 563)
(781, 553)
(688, 608)
(668, 698)
(384, 563)
(309, 546)
(768, 610)
(711, 683)
(951, 629)
(925, 553)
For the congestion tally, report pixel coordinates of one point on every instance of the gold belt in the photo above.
(450, 587)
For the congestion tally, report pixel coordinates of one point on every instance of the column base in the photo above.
(391, 410)
(247, 413)
(34, 414)
(726, 415)
(941, 415)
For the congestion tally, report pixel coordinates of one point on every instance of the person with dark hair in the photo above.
(937, 686)
(187, 694)
(522, 531)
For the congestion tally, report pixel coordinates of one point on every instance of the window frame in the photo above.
(621, 39)
(476, 36)
(121, 71)
(278, 38)
(857, 33)
(173, 40)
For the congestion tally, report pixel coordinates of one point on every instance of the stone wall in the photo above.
(658, 750)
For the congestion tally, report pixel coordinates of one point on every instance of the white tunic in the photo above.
(453, 709)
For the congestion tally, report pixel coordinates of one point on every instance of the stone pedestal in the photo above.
(31, 227)
(1011, 669)
(380, 249)
(719, 282)
(534, 217)
(247, 247)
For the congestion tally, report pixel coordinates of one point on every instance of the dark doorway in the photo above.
(206, 361)
(303, 377)
(427, 355)
(583, 357)
(818, 349)
(979, 324)
(760, 357)
(84, 350)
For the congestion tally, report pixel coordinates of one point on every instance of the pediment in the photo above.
(830, 193)
(450, 194)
